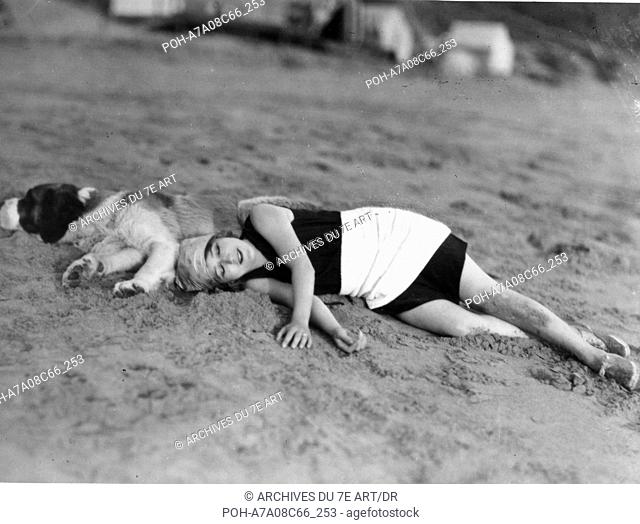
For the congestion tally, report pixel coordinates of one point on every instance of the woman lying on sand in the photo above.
(402, 263)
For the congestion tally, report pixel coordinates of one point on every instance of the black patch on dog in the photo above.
(48, 209)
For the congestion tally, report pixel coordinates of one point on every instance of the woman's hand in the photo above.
(347, 342)
(297, 334)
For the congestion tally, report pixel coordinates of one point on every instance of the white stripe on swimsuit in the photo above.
(383, 252)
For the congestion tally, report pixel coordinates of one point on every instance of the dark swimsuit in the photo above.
(308, 226)
(439, 279)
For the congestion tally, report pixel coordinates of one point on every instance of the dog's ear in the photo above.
(85, 194)
(59, 209)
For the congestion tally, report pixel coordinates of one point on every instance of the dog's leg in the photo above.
(159, 268)
(83, 268)
(95, 263)
(126, 259)
(101, 264)
(108, 245)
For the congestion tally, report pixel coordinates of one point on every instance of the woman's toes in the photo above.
(617, 346)
(624, 372)
(609, 343)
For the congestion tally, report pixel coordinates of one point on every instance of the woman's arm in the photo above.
(274, 224)
(283, 293)
(321, 316)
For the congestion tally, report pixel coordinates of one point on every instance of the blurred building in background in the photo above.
(385, 26)
(483, 49)
(544, 42)
(389, 27)
(381, 25)
(146, 8)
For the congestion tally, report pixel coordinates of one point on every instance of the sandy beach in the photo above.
(521, 170)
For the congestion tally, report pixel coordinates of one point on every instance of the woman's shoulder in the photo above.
(268, 210)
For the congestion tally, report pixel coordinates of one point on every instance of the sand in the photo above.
(520, 170)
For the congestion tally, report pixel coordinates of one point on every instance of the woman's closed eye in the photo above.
(221, 270)
(220, 266)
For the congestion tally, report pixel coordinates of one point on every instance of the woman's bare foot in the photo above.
(624, 372)
(589, 337)
(609, 343)
(616, 345)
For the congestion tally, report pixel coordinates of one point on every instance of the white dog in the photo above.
(116, 234)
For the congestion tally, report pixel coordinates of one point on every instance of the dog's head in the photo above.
(46, 210)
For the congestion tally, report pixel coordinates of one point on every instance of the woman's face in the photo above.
(228, 259)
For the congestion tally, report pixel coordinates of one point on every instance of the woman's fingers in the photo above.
(345, 337)
(288, 337)
(285, 335)
(354, 346)
(305, 340)
(344, 347)
(297, 338)
(294, 335)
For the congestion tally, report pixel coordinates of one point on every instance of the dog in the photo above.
(115, 233)
(123, 236)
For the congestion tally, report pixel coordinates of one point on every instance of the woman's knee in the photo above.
(440, 317)
(465, 329)
(469, 325)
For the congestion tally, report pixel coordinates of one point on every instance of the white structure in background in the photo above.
(484, 48)
(147, 8)
(387, 27)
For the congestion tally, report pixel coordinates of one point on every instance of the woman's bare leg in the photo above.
(512, 314)
(446, 318)
(525, 313)
(534, 318)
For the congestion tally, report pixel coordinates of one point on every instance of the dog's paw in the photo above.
(86, 267)
(168, 278)
(129, 288)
